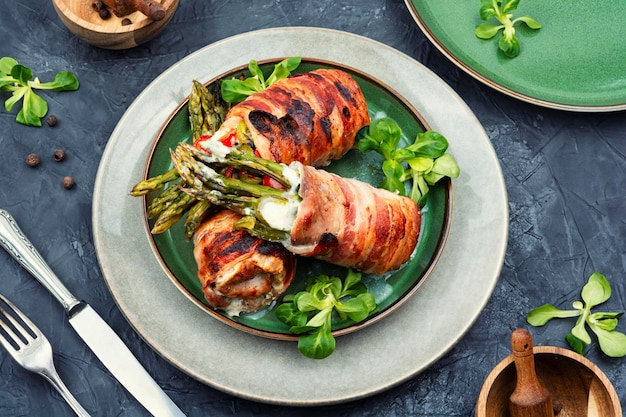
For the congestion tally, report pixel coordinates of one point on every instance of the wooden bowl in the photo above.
(83, 20)
(580, 387)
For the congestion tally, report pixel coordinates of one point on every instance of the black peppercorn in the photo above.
(68, 182)
(126, 21)
(104, 13)
(32, 160)
(52, 120)
(58, 155)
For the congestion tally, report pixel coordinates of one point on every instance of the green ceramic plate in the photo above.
(391, 291)
(574, 62)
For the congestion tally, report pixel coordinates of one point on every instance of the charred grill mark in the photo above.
(345, 93)
(288, 141)
(219, 239)
(297, 123)
(241, 243)
(213, 267)
(328, 238)
(326, 245)
(326, 127)
(302, 112)
(289, 127)
(271, 248)
(262, 121)
(285, 129)
(225, 247)
(315, 76)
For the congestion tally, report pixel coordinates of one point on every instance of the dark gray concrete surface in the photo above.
(564, 171)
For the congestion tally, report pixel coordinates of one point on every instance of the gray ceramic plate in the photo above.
(365, 362)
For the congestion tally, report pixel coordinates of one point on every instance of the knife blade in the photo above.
(92, 328)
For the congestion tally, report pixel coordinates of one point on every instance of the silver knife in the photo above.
(100, 338)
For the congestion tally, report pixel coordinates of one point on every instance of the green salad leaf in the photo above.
(500, 10)
(18, 80)
(424, 162)
(310, 312)
(236, 90)
(603, 324)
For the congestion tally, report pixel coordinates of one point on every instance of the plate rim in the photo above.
(114, 215)
(497, 86)
(432, 262)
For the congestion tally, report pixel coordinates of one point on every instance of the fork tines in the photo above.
(31, 350)
(18, 333)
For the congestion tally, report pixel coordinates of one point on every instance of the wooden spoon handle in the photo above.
(530, 398)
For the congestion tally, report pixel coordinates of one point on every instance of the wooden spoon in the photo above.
(530, 398)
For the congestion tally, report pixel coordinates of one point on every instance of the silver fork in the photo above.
(33, 353)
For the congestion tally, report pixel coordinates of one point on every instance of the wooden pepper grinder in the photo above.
(530, 398)
(151, 8)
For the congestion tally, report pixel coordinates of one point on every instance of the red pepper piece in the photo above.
(271, 182)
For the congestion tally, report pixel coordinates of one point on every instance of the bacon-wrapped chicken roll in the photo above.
(239, 273)
(352, 224)
(319, 214)
(312, 118)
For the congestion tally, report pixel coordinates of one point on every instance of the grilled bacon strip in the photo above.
(350, 223)
(312, 118)
(238, 272)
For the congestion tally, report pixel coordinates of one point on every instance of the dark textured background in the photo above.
(565, 175)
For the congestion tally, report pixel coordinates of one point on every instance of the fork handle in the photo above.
(13, 240)
(53, 378)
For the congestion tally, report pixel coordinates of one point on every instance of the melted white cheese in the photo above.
(235, 308)
(293, 176)
(216, 148)
(279, 213)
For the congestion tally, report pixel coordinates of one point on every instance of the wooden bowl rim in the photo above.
(481, 403)
(139, 20)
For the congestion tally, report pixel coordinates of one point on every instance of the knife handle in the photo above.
(19, 247)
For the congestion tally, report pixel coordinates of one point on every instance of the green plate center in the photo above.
(390, 291)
